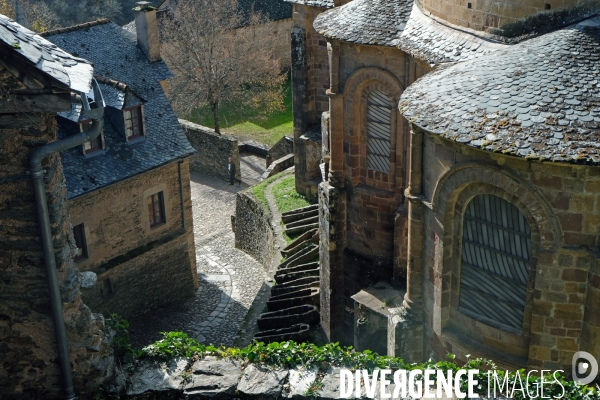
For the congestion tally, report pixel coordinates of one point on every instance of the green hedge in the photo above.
(290, 354)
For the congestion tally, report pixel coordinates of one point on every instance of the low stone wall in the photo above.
(213, 150)
(256, 148)
(282, 148)
(212, 378)
(138, 284)
(253, 231)
(280, 165)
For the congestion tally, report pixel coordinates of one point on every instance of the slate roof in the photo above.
(72, 72)
(274, 10)
(428, 40)
(374, 22)
(313, 3)
(538, 99)
(115, 55)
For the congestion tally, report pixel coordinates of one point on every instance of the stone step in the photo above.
(290, 286)
(300, 229)
(297, 333)
(300, 210)
(311, 297)
(302, 222)
(295, 217)
(296, 268)
(308, 253)
(296, 245)
(305, 314)
(296, 293)
(300, 274)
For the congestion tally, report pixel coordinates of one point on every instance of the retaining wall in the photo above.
(213, 150)
(253, 231)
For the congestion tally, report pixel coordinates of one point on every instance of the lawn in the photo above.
(286, 197)
(266, 129)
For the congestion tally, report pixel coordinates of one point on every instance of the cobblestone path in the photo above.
(230, 280)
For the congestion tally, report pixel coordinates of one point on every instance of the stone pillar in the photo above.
(298, 43)
(400, 246)
(332, 231)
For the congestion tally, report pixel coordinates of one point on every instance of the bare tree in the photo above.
(219, 53)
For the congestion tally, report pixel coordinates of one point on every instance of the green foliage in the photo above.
(121, 340)
(259, 191)
(246, 123)
(286, 197)
(290, 354)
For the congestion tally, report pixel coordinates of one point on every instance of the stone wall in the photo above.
(159, 276)
(212, 150)
(561, 205)
(278, 166)
(282, 148)
(28, 352)
(138, 267)
(253, 230)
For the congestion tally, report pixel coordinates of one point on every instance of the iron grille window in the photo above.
(134, 122)
(379, 120)
(156, 209)
(79, 233)
(495, 262)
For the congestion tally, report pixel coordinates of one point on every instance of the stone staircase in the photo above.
(294, 302)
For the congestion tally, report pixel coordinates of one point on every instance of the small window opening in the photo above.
(80, 242)
(156, 209)
(468, 5)
(547, 6)
(93, 145)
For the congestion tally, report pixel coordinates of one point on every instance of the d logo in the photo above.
(584, 367)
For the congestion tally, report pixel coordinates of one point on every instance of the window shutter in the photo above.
(495, 262)
(379, 118)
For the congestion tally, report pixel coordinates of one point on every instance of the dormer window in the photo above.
(94, 145)
(134, 122)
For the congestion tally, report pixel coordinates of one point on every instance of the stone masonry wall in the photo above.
(253, 231)
(28, 353)
(213, 150)
(562, 205)
(282, 148)
(156, 278)
(138, 267)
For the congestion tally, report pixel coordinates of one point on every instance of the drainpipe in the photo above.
(95, 111)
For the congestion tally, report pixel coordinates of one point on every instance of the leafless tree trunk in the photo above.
(219, 53)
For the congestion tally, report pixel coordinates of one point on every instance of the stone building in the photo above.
(476, 198)
(129, 190)
(45, 327)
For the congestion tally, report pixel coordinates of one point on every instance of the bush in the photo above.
(290, 354)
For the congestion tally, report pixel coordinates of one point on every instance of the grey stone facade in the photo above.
(253, 231)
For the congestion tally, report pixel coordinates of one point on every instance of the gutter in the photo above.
(96, 112)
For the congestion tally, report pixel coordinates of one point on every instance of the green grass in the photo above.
(259, 191)
(286, 197)
(245, 124)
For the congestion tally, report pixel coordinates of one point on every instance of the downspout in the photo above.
(181, 197)
(39, 189)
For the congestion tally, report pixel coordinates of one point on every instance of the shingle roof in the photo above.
(72, 72)
(536, 99)
(430, 41)
(374, 22)
(313, 3)
(115, 55)
(274, 10)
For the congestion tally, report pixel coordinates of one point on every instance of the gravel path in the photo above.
(231, 282)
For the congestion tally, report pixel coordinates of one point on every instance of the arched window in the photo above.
(379, 119)
(495, 261)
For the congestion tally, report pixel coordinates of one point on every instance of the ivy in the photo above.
(291, 354)
(124, 352)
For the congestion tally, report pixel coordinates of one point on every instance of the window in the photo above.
(495, 262)
(93, 145)
(379, 119)
(79, 233)
(134, 122)
(156, 209)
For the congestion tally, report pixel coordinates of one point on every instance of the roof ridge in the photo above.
(112, 82)
(90, 24)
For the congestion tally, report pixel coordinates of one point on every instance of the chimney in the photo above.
(146, 28)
